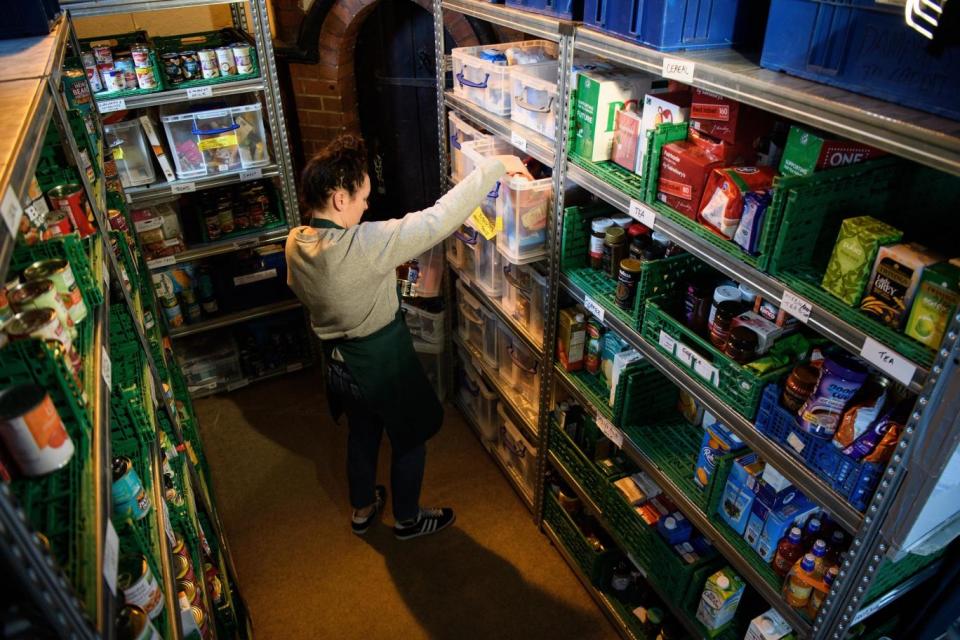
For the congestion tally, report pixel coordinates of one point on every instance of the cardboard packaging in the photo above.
(162, 158)
(684, 169)
(934, 303)
(853, 255)
(571, 338)
(740, 492)
(721, 595)
(627, 142)
(768, 626)
(728, 120)
(670, 107)
(621, 361)
(778, 523)
(717, 442)
(807, 152)
(723, 196)
(894, 280)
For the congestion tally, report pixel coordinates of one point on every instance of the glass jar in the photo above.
(598, 230)
(742, 345)
(696, 305)
(726, 311)
(627, 281)
(614, 250)
(799, 385)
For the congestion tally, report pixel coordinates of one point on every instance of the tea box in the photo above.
(934, 304)
(853, 255)
(807, 152)
(894, 280)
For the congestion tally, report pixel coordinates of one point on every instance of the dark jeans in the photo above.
(363, 448)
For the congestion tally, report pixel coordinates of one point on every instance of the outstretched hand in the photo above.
(515, 166)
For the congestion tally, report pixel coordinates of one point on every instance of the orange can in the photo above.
(32, 430)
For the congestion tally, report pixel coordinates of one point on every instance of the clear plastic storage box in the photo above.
(430, 272)
(518, 369)
(470, 318)
(488, 271)
(516, 451)
(483, 79)
(216, 141)
(424, 325)
(534, 98)
(460, 132)
(461, 249)
(133, 155)
(478, 399)
(524, 298)
(525, 207)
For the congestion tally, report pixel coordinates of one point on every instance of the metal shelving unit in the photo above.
(179, 96)
(210, 249)
(160, 191)
(234, 318)
(203, 391)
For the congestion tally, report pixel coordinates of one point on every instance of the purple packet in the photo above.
(747, 234)
(868, 441)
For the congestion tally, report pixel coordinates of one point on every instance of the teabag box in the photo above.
(600, 94)
(807, 152)
(894, 280)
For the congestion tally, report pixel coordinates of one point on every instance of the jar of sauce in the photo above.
(614, 250)
(598, 230)
(726, 311)
(696, 305)
(742, 345)
(627, 281)
(799, 385)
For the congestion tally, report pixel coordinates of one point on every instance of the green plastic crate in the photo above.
(127, 261)
(583, 470)
(74, 250)
(738, 386)
(890, 574)
(612, 173)
(645, 394)
(120, 40)
(207, 40)
(596, 565)
(657, 277)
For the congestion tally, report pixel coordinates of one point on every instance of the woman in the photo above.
(344, 273)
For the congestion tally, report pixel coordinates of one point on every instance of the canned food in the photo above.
(225, 219)
(32, 430)
(208, 63)
(145, 78)
(243, 57)
(182, 569)
(172, 67)
(200, 618)
(56, 224)
(61, 274)
(129, 71)
(134, 624)
(41, 294)
(130, 499)
(212, 222)
(139, 586)
(93, 77)
(189, 590)
(70, 199)
(103, 55)
(179, 548)
(118, 221)
(5, 310)
(141, 56)
(45, 325)
(190, 64)
(77, 90)
(226, 61)
(113, 80)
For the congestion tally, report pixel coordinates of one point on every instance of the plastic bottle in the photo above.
(797, 588)
(811, 532)
(788, 552)
(819, 553)
(817, 596)
(838, 544)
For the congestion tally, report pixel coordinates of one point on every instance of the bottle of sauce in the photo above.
(788, 552)
(598, 230)
(594, 341)
(726, 311)
(799, 585)
(614, 250)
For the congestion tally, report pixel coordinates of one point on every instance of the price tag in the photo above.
(111, 556)
(482, 224)
(166, 525)
(109, 106)
(194, 93)
(166, 261)
(667, 342)
(255, 277)
(106, 367)
(12, 211)
(233, 386)
(183, 187)
(251, 174)
(888, 361)
(796, 306)
(591, 305)
(643, 214)
(685, 354)
(296, 366)
(706, 370)
(613, 434)
(128, 198)
(794, 441)
(677, 69)
(36, 217)
(518, 141)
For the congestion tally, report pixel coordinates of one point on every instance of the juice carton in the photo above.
(717, 441)
(774, 490)
(934, 303)
(755, 522)
(807, 152)
(671, 107)
(621, 361)
(778, 523)
(740, 492)
(894, 280)
(769, 626)
(718, 604)
(853, 254)
(571, 338)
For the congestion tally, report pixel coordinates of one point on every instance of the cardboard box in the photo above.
(627, 141)
(600, 94)
(162, 158)
(620, 362)
(670, 107)
(768, 626)
(807, 152)
(755, 523)
(740, 492)
(934, 304)
(778, 523)
(721, 595)
(717, 441)
(684, 169)
(894, 280)
(853, 255)
(728, 120)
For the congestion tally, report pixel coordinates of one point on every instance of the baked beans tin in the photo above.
(182, 569)
(41, 294)
(32, 431)
(141, 56)
(139, 586)
(145, 78)
(201, 619)
(129, 71)
(134, 624)
(226, 61)
(113, 80)
(103, 55)
(189, 590)
(70, 199)
(208, 63)
(130, 499)
(190, 64)
(5, 310)
(241, 53)
(77, 89)
(55, 224)
(60, 273)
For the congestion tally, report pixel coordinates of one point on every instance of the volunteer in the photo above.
(343, 271)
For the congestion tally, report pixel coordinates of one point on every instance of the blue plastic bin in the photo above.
(565, 9)
(864, 47)
(854, 480)
(679, 24)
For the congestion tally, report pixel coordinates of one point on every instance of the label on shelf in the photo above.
(794, 441)
(482, 224)
(148, 225)
(685, 354)
(34, 215)
(256, 276)
(796, 306)
(642, 213)
(106, 367)
(591, 305)
(109, 106)
(157, 263)
(667, 342)
(199, 92)
(251, 174)
(706, 371)
(128, 198)
(518, 141)
(166, 525)
(677, 69)
(183, 187)
(12, 211)
(111, 556)
(610, 430)
(246, 244)
(888, 361)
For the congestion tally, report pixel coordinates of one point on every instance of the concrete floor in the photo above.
(278, 473)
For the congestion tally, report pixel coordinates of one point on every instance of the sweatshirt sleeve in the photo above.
(390, 243)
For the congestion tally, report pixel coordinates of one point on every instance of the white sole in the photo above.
(427, 533)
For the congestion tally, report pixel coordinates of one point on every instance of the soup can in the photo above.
(190, 64)
(56, 223)
(93, 77)
(77, 90)
(45, 325)
(201, 619)
(88, 60)
(226, 61)
(70, 199)
(130, 499)
(145, 78)
(117, 220)
(172, 67)
(114, 80)
(189, 590)
(244, 58)
(61, 274)
(134, 624)
(126, 65)
(32, 431)
(208, 63)
(141, 56)
(103, 55)
(41, 294)
(139, 585)
(182, 569)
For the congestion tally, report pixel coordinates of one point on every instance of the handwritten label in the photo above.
(183, 187)
(706, 370)
(685, 354)
(251, 174)
(591, 305)
(109, 106)
(608, 429)
(12, 211)
(36, 217)
(111, 556)
(194, 93)
(677, 69)
(796, 306)
(106, 367)
(148, 225)
(256, 276)
(643, 214)
(667, 342)
(888, 361)
(518, 141)
(158, 263)
(483, 224)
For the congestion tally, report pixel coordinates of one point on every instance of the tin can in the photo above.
(88, 60)
(190, 64)
(182, 569)
(113, 80)
(201, 619)
(56, 223)
(126, 65)
(70, 199)
(61, 274)
(103, 55)
(173, 313)
(134, 624)
(243, 57)
(225, 219)
(45, 325)
(145, 78)
(141, 56)
(212, 223)
(208, 63)
(172, 67)
(226, 61)
(130, 499)
(41, 294)
(93, 77)
(6, 311)
(117, 220)
(77, 90)
(32, 431)
(189, 590)
(139, 586)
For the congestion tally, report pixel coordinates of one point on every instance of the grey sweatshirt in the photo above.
(346, 278)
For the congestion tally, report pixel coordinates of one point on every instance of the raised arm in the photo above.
(390, 243)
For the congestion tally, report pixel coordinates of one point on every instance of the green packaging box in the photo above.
(853, 256)
(600, 94)
(807, 152)
(934, 303)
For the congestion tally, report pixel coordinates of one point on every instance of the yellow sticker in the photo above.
(118, 153)
(226, 140)
(482, 224)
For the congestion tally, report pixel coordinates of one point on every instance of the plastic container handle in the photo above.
(214, 132)
(464, 238)
(521, 102)
(495, 192)
(470, 83)
(514, 281)
(470, 315)
(454, 140)
(516, 361)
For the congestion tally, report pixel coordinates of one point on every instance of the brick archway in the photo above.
(326, 93)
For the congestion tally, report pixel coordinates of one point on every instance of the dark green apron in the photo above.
(391, 379)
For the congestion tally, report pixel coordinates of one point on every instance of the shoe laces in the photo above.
(431, 513)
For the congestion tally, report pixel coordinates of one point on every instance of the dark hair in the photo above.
(342, 164)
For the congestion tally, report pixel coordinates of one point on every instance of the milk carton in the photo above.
(718, 604)
(769, 626)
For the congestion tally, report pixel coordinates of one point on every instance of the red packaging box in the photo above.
(626, 139)
(723, 196)
(728, 120)
(684, 169)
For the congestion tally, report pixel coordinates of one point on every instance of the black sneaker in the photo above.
(430, 521)
(360, 525)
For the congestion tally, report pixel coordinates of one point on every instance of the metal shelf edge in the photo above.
(219, 248)
(84, 8)
(172, 96)
(235, 318)
(538, 146)
(164, 190)
(535, 24)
